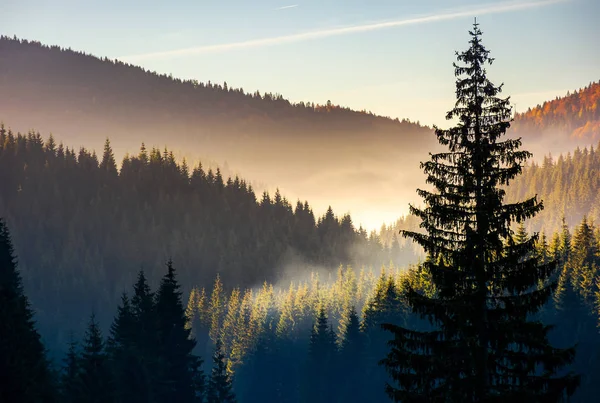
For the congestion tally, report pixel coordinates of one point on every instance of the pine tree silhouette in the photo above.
(484, 346)
(220, 388)
(95, 383)
(144, 339)
(24, 372)
(353, 361)
(180, 376)
(322, 360)
(70, 374)
(129, 382)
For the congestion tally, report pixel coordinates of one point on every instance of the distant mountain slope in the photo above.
(57, 84)
(320, 152)
(563, 123)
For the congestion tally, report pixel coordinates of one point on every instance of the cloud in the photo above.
(501, 7)
(287, 7)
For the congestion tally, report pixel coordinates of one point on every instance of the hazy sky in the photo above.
(393, 57)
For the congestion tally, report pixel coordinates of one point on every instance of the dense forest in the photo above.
(265, 337)
(101, 225)
(561, 125)
(577, 115)
(286, 316)
(569, 186)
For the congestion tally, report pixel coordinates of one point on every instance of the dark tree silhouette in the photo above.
(122, 346)
(220, 388)
(70, 374)
(95, 383)
(180, 377)
(353, 361)
(484, 347)
(322, 360)
(24, 371)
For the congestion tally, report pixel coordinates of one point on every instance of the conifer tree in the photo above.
(322, 355)
(384, 306)
(242, 333)
(583, 259)
(198, 317)
(144, 337)
(216, 309)
(180, 377)
(220, 388)
(24, 371)
(565, 241)
(230, 321)
(194, 310)
(95, 384)
(542, 249)
(108, 163)
(484, 346)
(352, 360)
(129, 382)
(70, 374)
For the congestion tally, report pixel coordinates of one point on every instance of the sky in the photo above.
(392, 57)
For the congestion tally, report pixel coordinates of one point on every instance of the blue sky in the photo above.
(338, 50)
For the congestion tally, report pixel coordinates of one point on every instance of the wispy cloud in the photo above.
(501, 7)
(287, 7)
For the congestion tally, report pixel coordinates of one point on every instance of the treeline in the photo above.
(568, 185)
(576, 114)
(93, 86)
(83, 229)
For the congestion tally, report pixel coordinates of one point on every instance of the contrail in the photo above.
(324, 33)
(286, 7)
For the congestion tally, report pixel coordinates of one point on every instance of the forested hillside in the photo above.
(578, 114)
(561, 124)
(568, 185)
(83, 229)
(326, 153)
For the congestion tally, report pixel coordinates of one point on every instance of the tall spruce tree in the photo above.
(24, 371)
(180, 376)
(484, 346)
